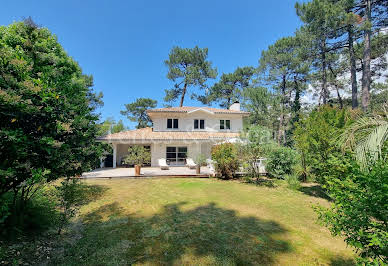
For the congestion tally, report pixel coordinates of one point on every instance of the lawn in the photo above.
(199, 222)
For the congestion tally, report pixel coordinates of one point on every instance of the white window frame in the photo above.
(172, 124)
(199, 124)
(225, 128)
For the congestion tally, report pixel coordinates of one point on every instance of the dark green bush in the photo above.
(281, 161)
(359, 211)
(316, 140)
(38, 214)
(226, 160)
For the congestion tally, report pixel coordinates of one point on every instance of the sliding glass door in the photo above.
(176, 155)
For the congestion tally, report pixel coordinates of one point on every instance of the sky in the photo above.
(123, 44)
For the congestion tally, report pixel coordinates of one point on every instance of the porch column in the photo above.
(114, 154)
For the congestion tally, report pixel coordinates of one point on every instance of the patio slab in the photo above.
(146, 172)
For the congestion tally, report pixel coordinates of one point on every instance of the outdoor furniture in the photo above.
(210, 164)
(190, 163)
(163, 164)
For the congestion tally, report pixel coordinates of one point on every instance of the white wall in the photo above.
(186, 121)
(158, 150)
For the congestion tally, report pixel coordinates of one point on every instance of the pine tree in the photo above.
(188, 67)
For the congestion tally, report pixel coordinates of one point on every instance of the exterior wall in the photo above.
(186, 121)
(158, 150)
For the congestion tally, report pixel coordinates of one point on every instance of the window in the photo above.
(199, 123)
(227, 124)
(172, 123)
(224, 124)
(176, 155)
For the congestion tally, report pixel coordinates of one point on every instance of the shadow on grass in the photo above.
(91, 192)
(265, 182)
(40, 216)
(315, 191)
(214, 235)
(340, 261)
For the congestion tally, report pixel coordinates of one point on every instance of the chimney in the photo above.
(235, 106)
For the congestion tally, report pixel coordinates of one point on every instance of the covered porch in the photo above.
(177, 171)
(175, 152)
(172, 146)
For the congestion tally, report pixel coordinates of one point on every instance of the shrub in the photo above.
(226, 160)
(359, 210)
(200, 160)
(315, 139)
(137, 155)
(292, 181)
(38, 214)
(281, 161)
(69, 196)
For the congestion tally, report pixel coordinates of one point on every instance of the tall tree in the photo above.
(366, 75)
(284, 67)
(321, 18)
(375, 18)
(111, 126)
(230, 87)
(263, 107)
(137, 111)
(47, 111)
(188, 67)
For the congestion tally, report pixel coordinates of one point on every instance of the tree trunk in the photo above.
(336, 87)
(281, 118)
(183, 94)
(325, 94)
(339, 97)
(297, 104)
(366, 74)
(353, 71)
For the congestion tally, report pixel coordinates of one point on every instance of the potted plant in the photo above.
(137, 155)
(200, 160)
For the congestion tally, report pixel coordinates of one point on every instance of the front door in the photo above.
(176, 155)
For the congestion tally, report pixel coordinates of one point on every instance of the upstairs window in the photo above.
(224, 124)
(199, 124)
(172, 123)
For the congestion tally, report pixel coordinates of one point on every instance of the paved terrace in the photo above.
(178, 171)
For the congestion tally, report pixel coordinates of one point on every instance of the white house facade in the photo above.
(179, 133)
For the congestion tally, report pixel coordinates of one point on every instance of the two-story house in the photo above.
(179, 133)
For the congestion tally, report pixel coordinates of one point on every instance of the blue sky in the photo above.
(123, 44)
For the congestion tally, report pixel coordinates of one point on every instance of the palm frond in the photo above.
(366, 137)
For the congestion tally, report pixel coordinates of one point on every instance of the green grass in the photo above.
(200, 222)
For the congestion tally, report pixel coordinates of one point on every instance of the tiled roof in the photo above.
(186, 109)
(148, 134)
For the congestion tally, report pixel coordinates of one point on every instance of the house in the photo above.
(179, 133)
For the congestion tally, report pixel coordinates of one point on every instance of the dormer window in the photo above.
(224, 124)
(199, 124)
(172, 123)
